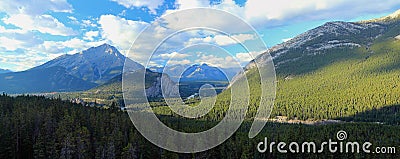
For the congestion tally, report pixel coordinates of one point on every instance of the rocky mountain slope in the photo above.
(97, 64)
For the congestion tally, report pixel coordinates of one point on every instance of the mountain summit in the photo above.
(96, 64)
(203, 72)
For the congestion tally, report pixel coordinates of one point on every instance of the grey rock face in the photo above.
(97, 64)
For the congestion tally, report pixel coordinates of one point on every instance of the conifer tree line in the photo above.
(38, 127)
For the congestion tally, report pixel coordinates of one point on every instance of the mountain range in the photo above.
(77, 72)
(97, 67)
(4, 71)
(202, 72)
(305, 53)
(197, 72)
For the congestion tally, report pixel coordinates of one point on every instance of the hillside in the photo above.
(336, 71)
(152, 84)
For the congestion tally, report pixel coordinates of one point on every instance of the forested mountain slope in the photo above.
(336, 70)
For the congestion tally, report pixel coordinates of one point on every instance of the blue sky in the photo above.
(33, 32)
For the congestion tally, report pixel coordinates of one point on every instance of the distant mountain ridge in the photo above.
(203, 72)
(4, 71)
(175, 71)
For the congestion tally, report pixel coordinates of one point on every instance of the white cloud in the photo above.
(264, 13)
(176, 62)
(61, 46)
(13, 39)
(34, 15)
(222, 62)
(244, 58)
(42, 23)
(90, 35)
(174, 55)
(88, 23)
(222, 40)
(4, 30)
(120, 31)
(72, 18)
(152, 5)
(23, 61)
(34, 7)
(187, 4)
(225, 40)
(10, 44)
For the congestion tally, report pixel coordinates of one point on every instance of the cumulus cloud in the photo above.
(31, 15)
(4, 30)
(13, 39)
(120, 31)
(88, 23)
(244, 58)
(10, 44)
(74, 45)
(42, 23)
(23, 60)
(34, 7)
(90, 35)
(222, 62)
(174, 55)
(179, 62)
(152, 5)
(187, 4)
(264, 13)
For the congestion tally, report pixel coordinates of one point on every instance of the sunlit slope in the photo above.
(367, 79)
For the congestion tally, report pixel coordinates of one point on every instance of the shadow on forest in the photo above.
(385, 115)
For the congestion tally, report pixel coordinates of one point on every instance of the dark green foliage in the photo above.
(36, 127)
